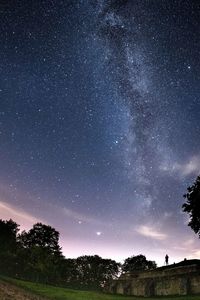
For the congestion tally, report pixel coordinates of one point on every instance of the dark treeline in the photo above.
(35, 255)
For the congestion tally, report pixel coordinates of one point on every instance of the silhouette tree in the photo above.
(192, 206)
(42, 236)
(40, 254)
(8, 246)
(92, 272)
(137, 263)
(8, 235)
(69, 272)
(36, 255)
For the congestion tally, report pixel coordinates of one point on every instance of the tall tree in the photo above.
(192, 206)
(40, 254)
(8, 246)
(43, 236)
(137, 263)
(93, 271)
(8, 235)
(69, 272)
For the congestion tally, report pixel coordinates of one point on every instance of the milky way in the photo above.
(99, 119)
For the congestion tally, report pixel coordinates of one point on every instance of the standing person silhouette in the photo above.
(166, 260)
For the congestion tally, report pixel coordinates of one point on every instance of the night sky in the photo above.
(100, 122)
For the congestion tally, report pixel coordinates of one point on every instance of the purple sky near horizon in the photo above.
(99, 123)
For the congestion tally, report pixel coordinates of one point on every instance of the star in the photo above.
(98, 233)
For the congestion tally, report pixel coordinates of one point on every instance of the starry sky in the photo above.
(99, 122)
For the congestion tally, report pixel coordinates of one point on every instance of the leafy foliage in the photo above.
(42, 236)
(8, 245)
(94, 271)
(192, 205)
(36, 255)
(138, 263)
(8, 235)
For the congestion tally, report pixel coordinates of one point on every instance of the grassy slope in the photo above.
(56, 293)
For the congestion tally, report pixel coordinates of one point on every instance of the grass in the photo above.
(57, 293)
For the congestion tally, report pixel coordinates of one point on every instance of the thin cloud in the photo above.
(195, 254)
(151, 232)
(190, 167)
(167, 215)
(23, 218)
(189, 242)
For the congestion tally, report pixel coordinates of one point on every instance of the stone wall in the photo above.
(171, 280)
(171, 286)
(195, 284)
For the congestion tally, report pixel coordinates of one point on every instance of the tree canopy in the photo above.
(192, 206)
(8, 235)
(35, 255)
(43, 236)
(137, 263)
(94, 271)
(8, 246)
